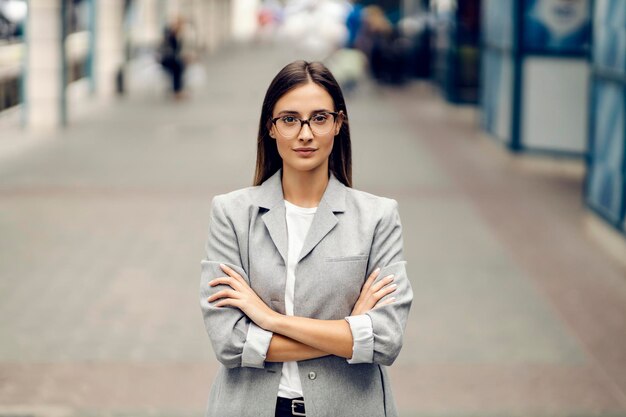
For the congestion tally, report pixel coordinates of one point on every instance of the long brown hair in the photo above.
(268, 160)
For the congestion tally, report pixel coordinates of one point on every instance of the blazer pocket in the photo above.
(343, 280)
(347, 258)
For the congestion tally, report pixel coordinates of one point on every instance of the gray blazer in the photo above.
(352, 233)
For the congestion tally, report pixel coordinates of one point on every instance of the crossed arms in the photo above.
(298, 338)
(230, 307)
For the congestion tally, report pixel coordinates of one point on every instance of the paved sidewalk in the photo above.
(516, 312)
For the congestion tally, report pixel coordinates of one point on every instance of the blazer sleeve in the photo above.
(389, 321)
(235, 342)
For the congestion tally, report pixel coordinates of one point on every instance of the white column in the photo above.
(44, 66)
(109, 51)
(244, 19)
(221, 22)
(200, 25)
(226, 21)
(211, 32)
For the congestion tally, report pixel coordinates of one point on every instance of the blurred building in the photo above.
(549, 76)
(53, 52)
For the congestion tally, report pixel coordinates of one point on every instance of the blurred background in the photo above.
(498, 125)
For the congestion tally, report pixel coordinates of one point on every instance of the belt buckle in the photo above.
(294, 405)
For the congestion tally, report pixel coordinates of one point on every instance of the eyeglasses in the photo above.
(319, 123)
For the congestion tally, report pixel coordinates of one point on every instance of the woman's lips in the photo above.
(305, 151)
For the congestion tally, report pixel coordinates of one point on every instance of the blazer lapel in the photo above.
(270, 196)
(277, 227)
(323, 222)
(333, 201)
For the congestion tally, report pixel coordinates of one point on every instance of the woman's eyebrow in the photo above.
(298, 113)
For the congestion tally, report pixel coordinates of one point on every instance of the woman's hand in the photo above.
(372, 293)
(241, 296)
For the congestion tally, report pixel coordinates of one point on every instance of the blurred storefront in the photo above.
(535, 75)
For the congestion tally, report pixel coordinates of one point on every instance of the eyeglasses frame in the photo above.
(308, 121)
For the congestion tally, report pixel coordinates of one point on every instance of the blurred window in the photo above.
(77, 38)
(12, 19)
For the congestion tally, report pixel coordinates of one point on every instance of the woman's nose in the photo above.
(305, 132)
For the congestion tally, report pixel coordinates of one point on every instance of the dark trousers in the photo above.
(177, 76)
(175, 68)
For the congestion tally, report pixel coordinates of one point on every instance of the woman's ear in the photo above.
(270, 131)
(338, 126)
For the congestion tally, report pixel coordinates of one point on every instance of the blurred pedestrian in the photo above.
(374, 39)
(267, 20)
(304, 289)
(171, 55)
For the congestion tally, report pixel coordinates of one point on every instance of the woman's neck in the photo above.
(304, 189)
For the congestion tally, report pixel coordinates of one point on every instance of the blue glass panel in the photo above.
(609, 49)
(496, 93)
(606, 175)
(491, 75)
(610, 13)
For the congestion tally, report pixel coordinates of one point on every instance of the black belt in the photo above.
(290, 406)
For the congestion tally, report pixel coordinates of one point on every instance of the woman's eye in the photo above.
(320, 118)
(289, 119)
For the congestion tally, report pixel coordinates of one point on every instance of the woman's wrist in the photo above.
(284, 349)
(272, 322)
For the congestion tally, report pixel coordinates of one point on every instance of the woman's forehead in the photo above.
(304, 99)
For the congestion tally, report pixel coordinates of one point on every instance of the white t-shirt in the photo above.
(299, 221)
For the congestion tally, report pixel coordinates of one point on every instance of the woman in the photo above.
(297, 281)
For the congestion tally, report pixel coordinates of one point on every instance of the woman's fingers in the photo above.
(384, 302)
(223, 294)
(380, 284)
(227, 302)
(384, 291)
(232, 273)
(368, 299)
(370, 280)
(368, 284)
(230, 281)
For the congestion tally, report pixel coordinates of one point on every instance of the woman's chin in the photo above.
(304, 165)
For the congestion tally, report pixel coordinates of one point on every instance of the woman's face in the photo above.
(307, 151)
